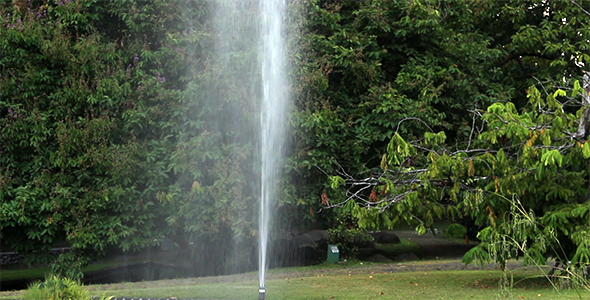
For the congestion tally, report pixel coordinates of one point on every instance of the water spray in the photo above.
(274, 87)
(261, 293)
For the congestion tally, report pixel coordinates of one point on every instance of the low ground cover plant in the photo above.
(58, 288)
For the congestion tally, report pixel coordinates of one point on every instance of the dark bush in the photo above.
(349, 240)
(455, 231)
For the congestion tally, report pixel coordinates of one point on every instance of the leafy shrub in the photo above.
(58, 288)
(349, 240)
(70, 264)
(455, 231)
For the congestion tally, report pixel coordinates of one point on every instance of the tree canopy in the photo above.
(119, 126)
(524, 175)
(520, 170)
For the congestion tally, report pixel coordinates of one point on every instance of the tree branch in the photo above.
(584, 125)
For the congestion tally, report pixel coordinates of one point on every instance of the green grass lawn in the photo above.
(20, 274)
(347, 280)
(350, 281)
(411, 285)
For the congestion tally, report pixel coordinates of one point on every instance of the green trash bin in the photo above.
(333, 253)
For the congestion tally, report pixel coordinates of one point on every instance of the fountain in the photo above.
(274, 98)
(242, 28)
(261, 293)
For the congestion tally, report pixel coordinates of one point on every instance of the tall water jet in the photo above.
(251, 90)
(274, 101)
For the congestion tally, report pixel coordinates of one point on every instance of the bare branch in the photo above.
(412, 118)
(579, 6)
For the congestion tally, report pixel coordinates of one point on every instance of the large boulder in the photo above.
(301, 250)
(362, 242)
(385, 237)
(319, 236)
(303, 240)
(406, 257)
(380, 258)
(316, 238)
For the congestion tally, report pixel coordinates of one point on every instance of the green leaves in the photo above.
(586, 150)
(399, 149)
(552, 158)
(560, 92)
(435, 138)
(384, 162)
(477, 253)
(336, 182)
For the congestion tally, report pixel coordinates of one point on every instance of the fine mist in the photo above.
(246, 95)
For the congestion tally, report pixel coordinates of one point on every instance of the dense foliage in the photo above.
(119, 126)
(349, 240)
(370, 64)
(523, 177)
(86, 125)
(521, 170)
(372, 68)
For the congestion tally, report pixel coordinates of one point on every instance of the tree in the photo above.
(379, 70)
(523, 176)
(367, 65)
(85, 129)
